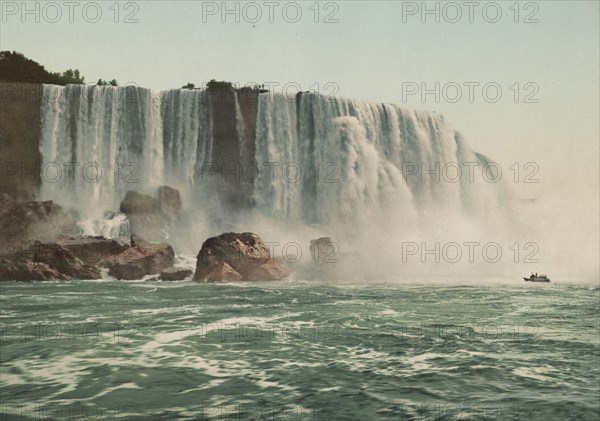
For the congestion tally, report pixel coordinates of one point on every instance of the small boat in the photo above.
(537, 278)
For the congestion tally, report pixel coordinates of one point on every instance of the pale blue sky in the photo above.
(369, 54)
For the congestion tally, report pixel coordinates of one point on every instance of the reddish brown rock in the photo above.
(223, 273)
(274, 270)
(29, 271)
(64, 261)
(45, 261)
(141, 259)
(236, 257)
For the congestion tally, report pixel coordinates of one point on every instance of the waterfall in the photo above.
(358, 160)
(330, 162)
(98, 142)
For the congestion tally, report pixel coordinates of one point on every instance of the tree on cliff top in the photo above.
(219, 85)
(15, 67)
(105, 83)
(189, 86)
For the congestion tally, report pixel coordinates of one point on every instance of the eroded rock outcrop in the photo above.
(237, 257)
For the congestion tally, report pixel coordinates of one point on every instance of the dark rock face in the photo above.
(20, 138)
(175, 273)
(141, 259)
(44, 261)
(236, 257)
(234, 145)
(29, 271)
(128, 271)
(93, 250)
(136, 203)
(149, 216)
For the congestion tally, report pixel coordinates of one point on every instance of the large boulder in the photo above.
(135, 203)
(143, 258)
(93, 251)
(151, 217)
(236, 257)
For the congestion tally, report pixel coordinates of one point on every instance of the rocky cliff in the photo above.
(20, 105)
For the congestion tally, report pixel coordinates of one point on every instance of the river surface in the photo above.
(299, 351)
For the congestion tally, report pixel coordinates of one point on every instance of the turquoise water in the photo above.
(299, 351)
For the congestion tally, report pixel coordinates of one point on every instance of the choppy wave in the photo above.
(313, 351)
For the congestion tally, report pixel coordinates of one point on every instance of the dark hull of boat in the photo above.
(536, 280)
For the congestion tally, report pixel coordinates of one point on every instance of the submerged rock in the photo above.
(236, 257)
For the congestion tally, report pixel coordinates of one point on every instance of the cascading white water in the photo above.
(363, 162)
(99, 142)
(345, 166)
(112, 226)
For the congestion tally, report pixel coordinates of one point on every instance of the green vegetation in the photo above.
(220, 85)
(15, 67)
(105, 83)
(189, 86)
